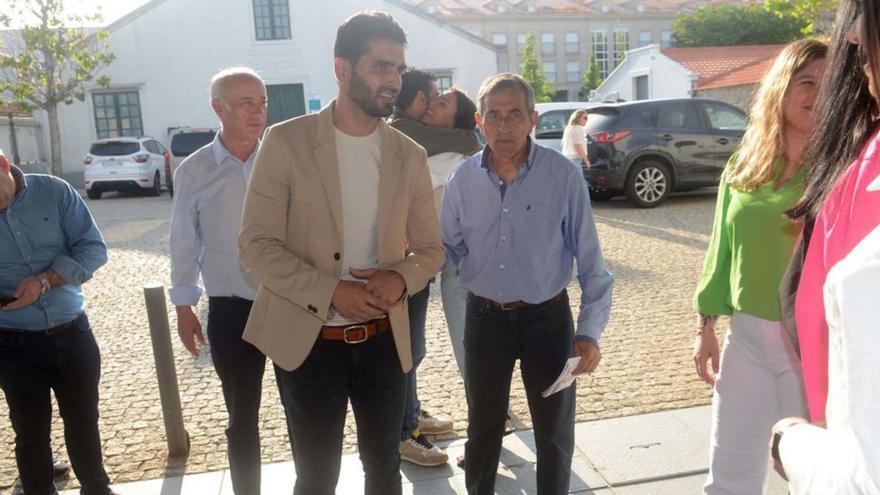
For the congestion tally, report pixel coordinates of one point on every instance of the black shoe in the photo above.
(60, 470)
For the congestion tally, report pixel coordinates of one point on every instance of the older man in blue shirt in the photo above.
(516, 217)
(49, 246)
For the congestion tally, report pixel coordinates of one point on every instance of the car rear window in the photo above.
(115, 148)
(185, 143)
(601, 118)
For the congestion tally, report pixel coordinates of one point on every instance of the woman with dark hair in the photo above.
(759, 380)
(838, 308)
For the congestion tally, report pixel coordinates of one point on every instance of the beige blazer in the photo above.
(291, 236)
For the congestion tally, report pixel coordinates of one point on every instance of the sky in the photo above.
(110, 9)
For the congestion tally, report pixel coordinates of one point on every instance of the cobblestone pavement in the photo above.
(655, 256)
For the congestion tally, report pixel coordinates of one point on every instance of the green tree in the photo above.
(818, 15)
(731, 24)
(592, 79)
(532, 72)
(51, 62)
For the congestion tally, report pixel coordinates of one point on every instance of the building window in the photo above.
(666, 39)
(548, 43)
(272, 19)
(621, 45)
(118, 114)
(432, 9)
(499, 39)
(640, 87)
(550, 71)
(531, 9)
(444, 81)
(600, 51)
(520, 41)
(572, 43)
(646, 38)
(572, 71)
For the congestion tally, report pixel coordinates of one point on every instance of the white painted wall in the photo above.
(169, 53)
(666, 77)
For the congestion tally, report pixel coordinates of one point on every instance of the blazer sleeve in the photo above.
(262, 242)
(422, 231)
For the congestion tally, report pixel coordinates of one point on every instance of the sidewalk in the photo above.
(651, 454)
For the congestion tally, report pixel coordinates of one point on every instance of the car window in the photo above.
(724, 117)
(185, 143)
(115, 148)
(677, 115)
(641, 116)
(601, 118)
(150, 146)
(552, 124)
(159, 147)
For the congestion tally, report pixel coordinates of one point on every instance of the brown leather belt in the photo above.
(355, 334)
(47, 331)
(517, 304)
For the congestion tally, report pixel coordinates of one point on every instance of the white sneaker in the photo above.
(419, 450)
(430, 425)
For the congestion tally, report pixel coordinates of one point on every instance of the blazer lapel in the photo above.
(389, 170)
(328, 163)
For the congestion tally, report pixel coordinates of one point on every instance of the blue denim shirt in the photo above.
(519, 242)
(47, 226)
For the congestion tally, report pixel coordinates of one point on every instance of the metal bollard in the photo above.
(166, 371)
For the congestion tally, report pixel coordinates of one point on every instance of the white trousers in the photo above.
(759, 383)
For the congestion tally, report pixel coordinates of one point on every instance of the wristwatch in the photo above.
(44, 283)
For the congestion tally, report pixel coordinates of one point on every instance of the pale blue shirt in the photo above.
(47, 226)
(519, 242)
(209, 189)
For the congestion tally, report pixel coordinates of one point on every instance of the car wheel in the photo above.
(93, 193)
(648, 185)
(157, 186)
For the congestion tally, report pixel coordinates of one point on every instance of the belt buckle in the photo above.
(362, 328)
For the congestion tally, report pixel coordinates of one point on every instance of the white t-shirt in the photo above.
(359, 159)
(574, 134)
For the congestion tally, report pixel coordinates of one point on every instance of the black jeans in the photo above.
(68, 363)
(541, 338)
(240, 367)
(315, 397)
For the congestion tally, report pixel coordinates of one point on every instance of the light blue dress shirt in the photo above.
(209, 189)
(47, 226)
(519, 242)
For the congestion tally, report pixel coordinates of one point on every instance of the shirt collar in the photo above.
(221, 153)
(530, 155)
(20, 181)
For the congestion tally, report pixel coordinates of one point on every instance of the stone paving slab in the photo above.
(655, 256)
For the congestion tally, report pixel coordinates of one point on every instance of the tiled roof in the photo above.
(452, 8)
(723, 66)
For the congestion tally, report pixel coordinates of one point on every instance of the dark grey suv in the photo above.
(647, 149)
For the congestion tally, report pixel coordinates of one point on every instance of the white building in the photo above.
(727, 73)
(167, 50)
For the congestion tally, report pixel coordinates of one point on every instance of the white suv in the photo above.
(126, 163)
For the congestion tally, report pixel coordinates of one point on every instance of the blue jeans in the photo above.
(418, 313)
(541, 338)
(69, 363)
(315, 398)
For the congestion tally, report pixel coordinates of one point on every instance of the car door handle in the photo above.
(722, 141)
(666, 137)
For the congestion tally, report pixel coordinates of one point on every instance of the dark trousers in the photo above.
(68, 363)
(541, 338)
(316, 395)
(418, 314)
(240, 367)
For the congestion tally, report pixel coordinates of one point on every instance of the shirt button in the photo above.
(503, 238)
(336, 256)
(501, 266)
(504, 209)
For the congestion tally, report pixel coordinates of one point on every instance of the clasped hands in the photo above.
(371, 296)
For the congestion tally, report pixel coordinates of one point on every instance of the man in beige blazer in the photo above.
(335, 202)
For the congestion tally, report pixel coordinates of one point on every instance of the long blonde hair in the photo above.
(575, 116)
(764, 140)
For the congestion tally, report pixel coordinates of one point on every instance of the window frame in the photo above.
(117, 117)
(278, 26)
(548, 47)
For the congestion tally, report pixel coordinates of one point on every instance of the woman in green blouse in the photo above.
(759, 380)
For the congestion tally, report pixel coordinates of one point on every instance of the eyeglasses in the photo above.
(515, 117)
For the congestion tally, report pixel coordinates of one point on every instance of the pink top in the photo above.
(850, 212)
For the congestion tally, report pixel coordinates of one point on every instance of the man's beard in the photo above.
(359, 93)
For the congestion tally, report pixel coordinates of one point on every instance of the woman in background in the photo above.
(574, 139)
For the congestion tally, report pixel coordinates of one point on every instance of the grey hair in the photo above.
(220, 79)
(502, 81)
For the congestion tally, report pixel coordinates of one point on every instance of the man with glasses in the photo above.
(515, 217)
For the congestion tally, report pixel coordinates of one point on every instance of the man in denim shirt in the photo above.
(515, 218)
(49, 246)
